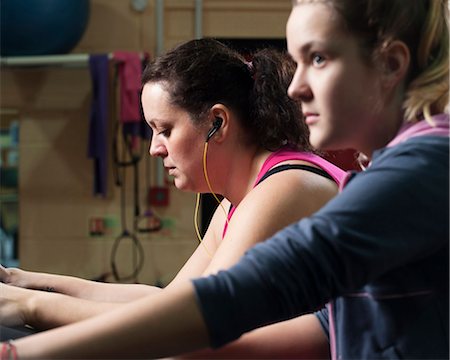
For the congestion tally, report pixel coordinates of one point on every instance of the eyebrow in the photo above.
(306, 47)
(155, 122)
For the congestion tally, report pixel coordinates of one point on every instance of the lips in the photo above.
(311, 117)
(170, 170)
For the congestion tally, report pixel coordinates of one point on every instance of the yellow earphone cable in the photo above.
(197, 204)
(197, 231)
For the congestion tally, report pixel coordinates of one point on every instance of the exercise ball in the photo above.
(41, 27)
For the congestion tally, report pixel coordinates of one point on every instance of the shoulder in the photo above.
(293, 193)
(306, 158)
(433, 148)
(406, 178)
(418, 156)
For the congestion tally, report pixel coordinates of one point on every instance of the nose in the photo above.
(299, 88)
(157, 148)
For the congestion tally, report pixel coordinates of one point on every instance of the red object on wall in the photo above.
(96, 226)
(158, 196)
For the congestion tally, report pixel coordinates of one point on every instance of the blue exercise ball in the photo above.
(41, 27)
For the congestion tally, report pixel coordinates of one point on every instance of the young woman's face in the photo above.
(175, 138)
(337, 89)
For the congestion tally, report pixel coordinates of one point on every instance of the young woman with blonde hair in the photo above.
(374, 261)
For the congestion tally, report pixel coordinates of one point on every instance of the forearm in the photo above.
(80, 288)
(299, 338)
(50, 310)
(168, 325)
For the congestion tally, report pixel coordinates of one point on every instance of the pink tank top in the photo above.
(286, 154)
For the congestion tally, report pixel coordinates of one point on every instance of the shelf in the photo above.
(67, 60)
(46, 60)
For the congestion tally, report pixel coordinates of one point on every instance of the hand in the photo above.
(13, 305)
(13, 276)
(4, 274)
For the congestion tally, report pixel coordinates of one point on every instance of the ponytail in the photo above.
(427, 94)
(275, 118)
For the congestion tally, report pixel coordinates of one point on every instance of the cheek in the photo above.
(345, 96)
(190, 156)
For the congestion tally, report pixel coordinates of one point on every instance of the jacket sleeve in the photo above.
(394, 213)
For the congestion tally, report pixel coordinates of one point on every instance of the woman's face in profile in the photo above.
(336, 88)
(175, 138)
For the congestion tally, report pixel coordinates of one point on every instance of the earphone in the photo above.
(216, 126)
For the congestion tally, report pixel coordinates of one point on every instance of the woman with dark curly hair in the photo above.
(221, 125)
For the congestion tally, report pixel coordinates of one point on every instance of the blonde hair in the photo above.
(423, 26)
(428, 93)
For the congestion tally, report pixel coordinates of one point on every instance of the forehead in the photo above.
(154, 91)
(312, 21)
(156, 103)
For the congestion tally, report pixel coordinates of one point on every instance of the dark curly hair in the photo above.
(200, 73)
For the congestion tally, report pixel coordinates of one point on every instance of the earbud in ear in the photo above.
(216, 126)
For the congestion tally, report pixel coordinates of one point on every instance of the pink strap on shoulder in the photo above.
(286, 154)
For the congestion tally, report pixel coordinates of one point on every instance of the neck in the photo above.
(241, 173)
(385, 126)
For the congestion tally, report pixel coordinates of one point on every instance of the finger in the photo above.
(4, 274)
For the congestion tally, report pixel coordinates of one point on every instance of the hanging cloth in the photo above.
(130, 77)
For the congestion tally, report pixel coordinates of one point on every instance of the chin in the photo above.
(325, 141)
(318, 141)
(183, 186)
(179, 184)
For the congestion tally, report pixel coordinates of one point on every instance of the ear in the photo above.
(395, 58)
(223, 112)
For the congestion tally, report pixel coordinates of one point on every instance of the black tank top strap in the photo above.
(284, 167)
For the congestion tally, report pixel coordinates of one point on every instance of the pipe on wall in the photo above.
(198, 19)
(159, 21)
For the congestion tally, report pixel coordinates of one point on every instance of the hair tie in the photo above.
(250, 68)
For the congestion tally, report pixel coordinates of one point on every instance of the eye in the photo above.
(318, 60)
(165, 132)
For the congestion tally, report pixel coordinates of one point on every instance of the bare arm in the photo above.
(270, 207)
(277, 202)
(44, 310)
(266, 209)
(274, 204)
(171, 325)
(78, 299)
(73, 286)
(299, 338)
